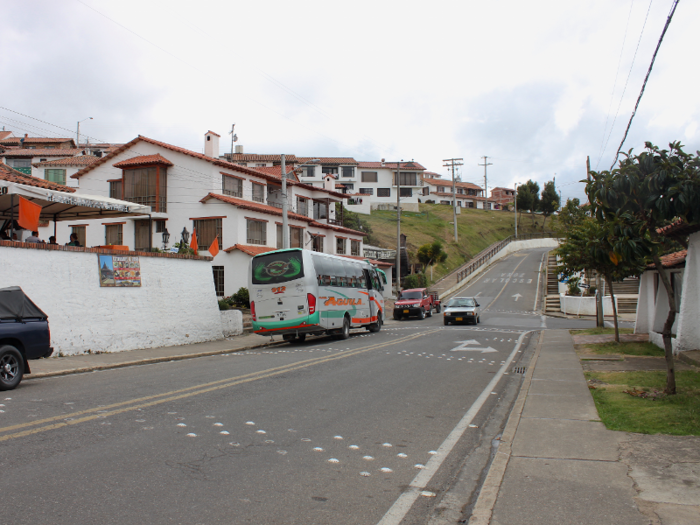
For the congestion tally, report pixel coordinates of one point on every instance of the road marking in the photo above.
(477, 295)
(539, 274)
(517, 296)
(174, 395)
(464, 347)
(504, 286)
(403, 504)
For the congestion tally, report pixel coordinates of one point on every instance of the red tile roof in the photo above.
(442, 182)
(10, 175)
(254, 206)
(4, 135)
(41, 152)
(143, 160)
(34, 140)
(80, 160)
(671, 260)
(210, 131)
(330, 161)
(250, 249)
(679, 228)
(253, 157)
(391, 165)
(276, 171)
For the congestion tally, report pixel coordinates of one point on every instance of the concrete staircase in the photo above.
(551, 300)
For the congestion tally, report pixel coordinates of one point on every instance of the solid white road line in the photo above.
(539, 274)
(403, 504)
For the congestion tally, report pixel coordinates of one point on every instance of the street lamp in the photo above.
(285, 227)
(515, 206)
(89, 118)
(166, 238)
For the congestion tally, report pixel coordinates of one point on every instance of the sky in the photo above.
(535, 86)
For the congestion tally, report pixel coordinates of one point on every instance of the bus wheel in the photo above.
(375, 327)
(301, 338)
(345, 330)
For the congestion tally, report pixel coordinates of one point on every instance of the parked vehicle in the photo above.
(298, 292)
(462, 310)
(24, 335)
(436, 301)
(415, 302)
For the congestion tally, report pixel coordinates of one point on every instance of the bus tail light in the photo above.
(312, 303)
(252, 310)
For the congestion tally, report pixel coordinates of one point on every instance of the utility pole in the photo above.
(285, 221)
(486, 180)
(234, 138)
(599, 317)
(451, 163)
(398, 230)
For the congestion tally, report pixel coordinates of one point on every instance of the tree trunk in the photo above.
(545, 220)
(668, 325)
(608, 281)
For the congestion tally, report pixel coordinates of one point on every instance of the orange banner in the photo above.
(193, 242)
(28, 214)
(214, 248)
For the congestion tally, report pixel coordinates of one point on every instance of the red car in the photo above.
(416, 302)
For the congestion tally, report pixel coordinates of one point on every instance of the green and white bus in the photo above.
(298, 292)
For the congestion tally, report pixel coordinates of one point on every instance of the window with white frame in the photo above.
(354, 247)
(340, 245)
(256, 232)
(232, 186)
(383, 192)
(207, 230)
(280, 239)
(369, 176)
(55, 175)
(114, 234)
(296, 237)
(407, 179)
(218, 280)
(406, 192)
(367, 191)
(302, 206)
(258, 192)
(348, 171)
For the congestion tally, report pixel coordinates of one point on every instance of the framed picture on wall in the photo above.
(117, 270)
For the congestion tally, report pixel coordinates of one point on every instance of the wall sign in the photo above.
(118, 270)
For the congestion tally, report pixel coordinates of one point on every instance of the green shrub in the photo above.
(223, 304)
(415, 280)
(241, 298)
(573, 288)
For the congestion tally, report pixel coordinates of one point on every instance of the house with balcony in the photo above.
(502, 196)
(238, 206)
(466, 194)
(23, 159)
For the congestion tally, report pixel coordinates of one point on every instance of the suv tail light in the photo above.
(252, 310)
(312, 303)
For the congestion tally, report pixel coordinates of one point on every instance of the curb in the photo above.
(483, 509)
(147, 361)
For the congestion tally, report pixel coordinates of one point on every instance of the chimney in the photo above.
(329, 182)
(382, 163)
(239, 148)
(211, 144)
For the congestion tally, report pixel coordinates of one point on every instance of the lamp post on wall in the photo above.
(166, 238)
(515, 207)
(285, 226)
(78, 134)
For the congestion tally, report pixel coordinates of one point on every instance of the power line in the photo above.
(646, 78)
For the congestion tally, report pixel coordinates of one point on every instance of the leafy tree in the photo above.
(645, 193)
(355, 221)
(550, 201)
(528, 198)
(571, 214)
(589, 244)
(431, 253)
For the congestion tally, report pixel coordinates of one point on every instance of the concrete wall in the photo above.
(176, 303)
(577, 305)
(231, 322)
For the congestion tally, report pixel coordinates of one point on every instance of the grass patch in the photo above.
(658, 414)
(601, 331)
(477, 229)
(631, 348)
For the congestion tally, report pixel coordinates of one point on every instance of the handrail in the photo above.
(486, 254)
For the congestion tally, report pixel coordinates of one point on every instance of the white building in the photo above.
(238, 206)
(683, 269)
(467, 195)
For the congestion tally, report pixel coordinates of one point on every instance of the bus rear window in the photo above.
(279, 267)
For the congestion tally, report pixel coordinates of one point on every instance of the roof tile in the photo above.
(10, 175)
(143, 160)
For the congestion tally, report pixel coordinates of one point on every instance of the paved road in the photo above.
(378, 428)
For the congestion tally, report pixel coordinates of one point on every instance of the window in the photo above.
(50, 147)
(348, 171)
(256, 232)
(471, 204)
(207, 230)
(80, 232)
(367, 191)
(296, 237)
(115, 189)
(260, 164)
(317, 243)
(280, 240)
(406, 192)
(320, 210)
(21, 163)
(258, 192)
(218, 280)
(147, 186)
(302, 206)
(57, 176)
(340, 246)
(383, 192)
(348, 186)
(329, 169)
(309, 171)
(160, 226)
(232, 186)
(407, 179)
(426, 191)
(113, 234)
(354, 247)
(369, 176)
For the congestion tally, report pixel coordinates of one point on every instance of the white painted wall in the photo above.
(231, 322)
(577, 305)
(175, 304)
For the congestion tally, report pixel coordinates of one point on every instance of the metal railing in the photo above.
(484, 256)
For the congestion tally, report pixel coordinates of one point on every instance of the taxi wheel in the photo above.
(446, 322)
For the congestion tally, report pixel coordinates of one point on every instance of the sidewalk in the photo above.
(556, 462)
(56, 366)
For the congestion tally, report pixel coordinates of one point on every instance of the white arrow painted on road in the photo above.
(464, 347)
(517, 296)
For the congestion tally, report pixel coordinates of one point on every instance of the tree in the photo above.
(549, 203)
(354, 221)
(589, 244)
(645, 193)
(528, 198)
(571, 214)
(431, 253)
